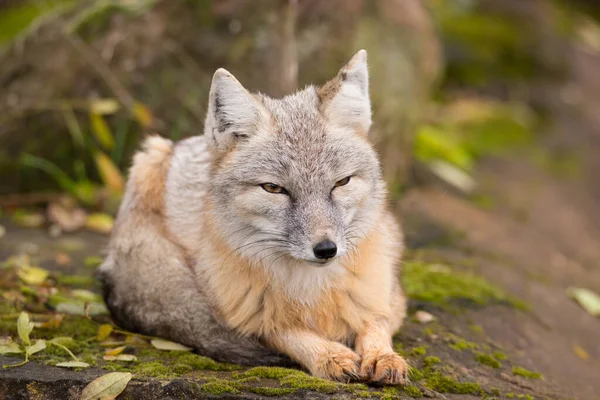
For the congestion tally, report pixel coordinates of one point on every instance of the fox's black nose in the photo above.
(325, 249)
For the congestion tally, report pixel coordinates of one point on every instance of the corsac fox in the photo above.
(266, 240)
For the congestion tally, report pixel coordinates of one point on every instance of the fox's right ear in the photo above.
(233, 113)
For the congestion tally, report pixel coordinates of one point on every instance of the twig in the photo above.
(64, 348)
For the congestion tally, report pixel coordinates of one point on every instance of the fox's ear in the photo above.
(233, 113)
(345, 99)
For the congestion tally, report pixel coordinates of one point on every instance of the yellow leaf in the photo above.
(32, 275)
(107, 387)
(580, 352)
(142, 114)
(98, 222)
(115, 351)
(110, 174)
(104, 106)
(102, 131)
(104, 331)
(53, 322)
(162, 344)
(122, 357)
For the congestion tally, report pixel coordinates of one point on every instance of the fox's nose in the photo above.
(325, 249)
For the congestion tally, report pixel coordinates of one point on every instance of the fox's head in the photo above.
(296, 178)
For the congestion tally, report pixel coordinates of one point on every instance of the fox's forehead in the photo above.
(295, 116)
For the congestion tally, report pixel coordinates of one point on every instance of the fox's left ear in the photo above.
(345, 99)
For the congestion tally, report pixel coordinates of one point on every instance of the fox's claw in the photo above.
(340, 364)
(384, 367)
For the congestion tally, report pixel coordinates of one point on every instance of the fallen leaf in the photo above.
(86, 295)
(69, 220)
(32, 275)
(24, 327)
(580, 352)
(122, 357)
(112, 343)
(2, 231)
(10, 348)
(453, 176)
(13, 295)
(38, 346)
(104, 331)
(106, 387)
(52, 323)
(62, 259)
(162, 344)
(114, 352)
(424, 317)
(102, 223)
(589, 300)
(104, 106)
(78, 308)
(73, 364)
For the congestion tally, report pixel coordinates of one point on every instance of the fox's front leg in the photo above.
(380, 363)
(323, 358)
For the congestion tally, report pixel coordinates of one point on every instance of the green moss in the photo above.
(293, 379)
(441, 383)
(477, 329)
(520, 371)
(438, 284)
(155, 369)
(488, 360)
(460, 344)
(418, 351)
(271, 391)
(498, 355)
(431, 361)
(519, 396)
(412, 391)
(220, 387)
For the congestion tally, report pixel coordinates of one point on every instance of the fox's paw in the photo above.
(338, 363)
(384, 367)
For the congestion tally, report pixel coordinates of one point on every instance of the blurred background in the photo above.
(486, 117)
(452, 80)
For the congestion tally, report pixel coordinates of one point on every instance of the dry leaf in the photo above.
(114, 352)
(424, 317)
(68, 220)
(86, 295)
(28, 219)
(162, 344)
(107, 387)
(102, 223)
(32, 275)
(38, 346)
(589, 300)
(104, 331)
(24, 327)
(122, 357)
(52, 323)
(580, 352)
(73, 364)
(62, 259)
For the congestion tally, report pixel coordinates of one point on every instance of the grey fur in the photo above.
(155, 273)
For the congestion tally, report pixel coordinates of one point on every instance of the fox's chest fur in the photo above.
(334, 301)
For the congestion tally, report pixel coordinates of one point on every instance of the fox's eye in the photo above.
(273, 188)
(343, 182)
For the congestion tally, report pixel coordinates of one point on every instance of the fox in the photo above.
(268, 240)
